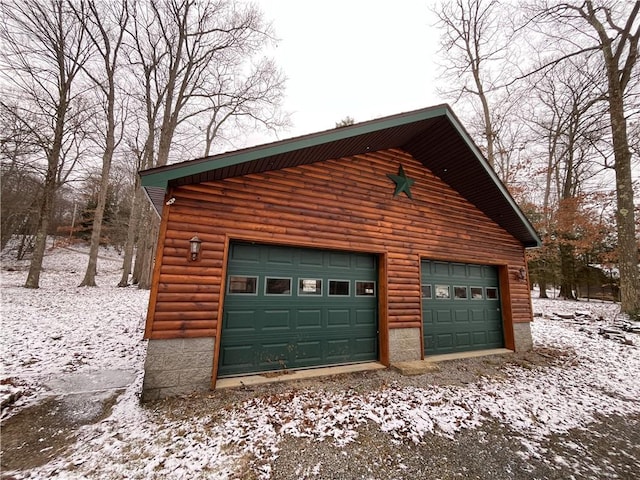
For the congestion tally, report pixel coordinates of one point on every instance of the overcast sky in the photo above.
(357, 58)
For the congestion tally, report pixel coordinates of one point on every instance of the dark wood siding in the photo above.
(344, 204)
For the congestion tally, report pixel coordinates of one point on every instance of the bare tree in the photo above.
(475, 43)
(44, 49)
(17, 210)
(568, 116)
(105, 26)
(180, 49)
(610, 29)
(242, 100)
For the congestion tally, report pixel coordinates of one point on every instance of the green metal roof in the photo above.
(434, 136)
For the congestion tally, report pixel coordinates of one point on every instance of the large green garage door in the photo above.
(460, 307)
(291, 308)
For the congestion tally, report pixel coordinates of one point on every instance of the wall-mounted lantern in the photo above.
(194, 248)
(522, 274)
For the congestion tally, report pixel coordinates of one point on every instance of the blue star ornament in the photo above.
(403, 183)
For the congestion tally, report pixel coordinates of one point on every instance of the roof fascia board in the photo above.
(160, 177)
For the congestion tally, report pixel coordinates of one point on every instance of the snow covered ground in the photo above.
(62, 328)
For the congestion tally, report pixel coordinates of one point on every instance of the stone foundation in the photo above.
(177, 366)
(522, 337)
(404, 344)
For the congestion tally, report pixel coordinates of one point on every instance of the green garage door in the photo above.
(460, 307)
(289, 308)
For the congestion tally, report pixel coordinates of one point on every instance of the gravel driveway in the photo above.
(606, 448)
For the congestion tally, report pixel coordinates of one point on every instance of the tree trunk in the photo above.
(619, 71)
(543, 288)
(48, 196)
(133, 228)
(567, 281)
(144, 246)
(625, 215)
(35, 267)
(96, 232)
(149, 257)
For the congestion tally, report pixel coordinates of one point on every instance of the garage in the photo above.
(310, 252)
(460, 307)
(290, 308)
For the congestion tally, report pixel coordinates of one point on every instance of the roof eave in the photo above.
(160, 176)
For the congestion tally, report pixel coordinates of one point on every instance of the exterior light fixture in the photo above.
(194, 248)
(522, 274)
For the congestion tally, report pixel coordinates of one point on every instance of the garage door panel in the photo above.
(365, 347)
(311, 258)
(441, 268)
(459, 270)
(276, 320)
(309, 351)
(443, 316)
(240, 321)
(339, 260)
(239, 355)
(365, 262)
(273, 351)
(338, 318)
(245, 254)
(476, 271)
(495, 336)
(278, 256)
(337, 350)
(309, 319)
(463, 339)
(444, 340)
(306, 327)
(480, 338)
(366, 317)
(463, 312)
(428, 318)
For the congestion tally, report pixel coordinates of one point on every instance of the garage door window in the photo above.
(442, 292)
(492, 293)
(365, 289)
(277, 286)
(460, 293)
(309, 286)
(339, 288)
(242, 285)
(476, 293)
(426, 291)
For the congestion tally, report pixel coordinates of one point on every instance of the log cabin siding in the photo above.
(345, 204)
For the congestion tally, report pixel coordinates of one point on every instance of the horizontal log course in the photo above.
(176, 325)
(186, 315)
(191, 333)
(414, 324)
(184, 297)
(187, 306)
(187, 278)
(188, 288)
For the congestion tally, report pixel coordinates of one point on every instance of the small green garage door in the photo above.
(460, 307)
(289, 308)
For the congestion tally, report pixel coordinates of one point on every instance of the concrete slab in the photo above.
(415, 367)
(461, 355)
(88, 382)
(288, 376)
(429, 364)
